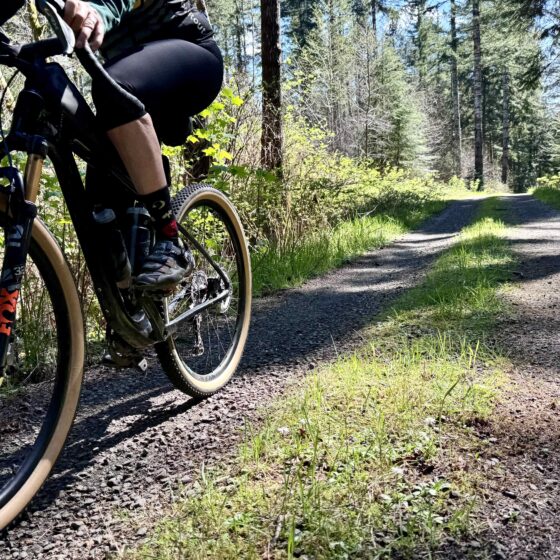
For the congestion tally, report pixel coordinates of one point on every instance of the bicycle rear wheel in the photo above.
(201, 357)
(40, 388)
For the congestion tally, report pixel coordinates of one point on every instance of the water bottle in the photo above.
(112, 238)
(139, 237)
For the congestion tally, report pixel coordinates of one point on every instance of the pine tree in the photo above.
(272, 138)
(477, 87)
(455, 95)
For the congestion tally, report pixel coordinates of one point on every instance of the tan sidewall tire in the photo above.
(204, 388)
(75, 373)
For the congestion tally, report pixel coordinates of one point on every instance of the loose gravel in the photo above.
(520, 516)
(136, 441)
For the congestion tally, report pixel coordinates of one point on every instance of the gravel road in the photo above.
(521, 469)
(136, 440)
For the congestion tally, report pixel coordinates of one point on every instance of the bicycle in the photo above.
(198, 331)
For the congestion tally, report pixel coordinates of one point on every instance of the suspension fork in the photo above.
(18, 232)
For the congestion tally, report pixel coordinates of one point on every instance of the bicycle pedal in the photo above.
(155, 293)
(161, 294)
(121, 361)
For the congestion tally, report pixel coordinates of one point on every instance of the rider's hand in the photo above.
(86, 22)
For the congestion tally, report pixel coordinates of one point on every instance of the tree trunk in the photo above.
(457, 132)
(478, 134)
(421, 41)
(272, 138)
(505, 127)
(374, 8)
(332, 75)
(239, 29)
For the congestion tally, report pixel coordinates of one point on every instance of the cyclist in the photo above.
(163, 52)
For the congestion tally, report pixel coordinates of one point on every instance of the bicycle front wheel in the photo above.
(40, 387)
(201, 357)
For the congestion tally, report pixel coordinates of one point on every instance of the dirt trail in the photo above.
(135, 439)
(520, 517)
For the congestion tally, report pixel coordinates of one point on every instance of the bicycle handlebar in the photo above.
(54, 11)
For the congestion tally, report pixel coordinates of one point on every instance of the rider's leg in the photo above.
(138, 146)
(139, 149)
(174, 79)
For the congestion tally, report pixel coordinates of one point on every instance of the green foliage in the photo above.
(218, 121)
(549, 192)
(549, 181)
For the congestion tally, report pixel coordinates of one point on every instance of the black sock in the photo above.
(158, 204)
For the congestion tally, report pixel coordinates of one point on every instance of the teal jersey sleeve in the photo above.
(112, 11)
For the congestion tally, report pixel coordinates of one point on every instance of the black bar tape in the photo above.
(123, 103)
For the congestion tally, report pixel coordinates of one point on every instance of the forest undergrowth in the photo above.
(360, 459)
(324, 209)
(548, 190)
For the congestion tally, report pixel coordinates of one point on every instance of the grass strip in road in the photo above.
(361, 459)
(459, 295)
(548, 195)
(318, 253)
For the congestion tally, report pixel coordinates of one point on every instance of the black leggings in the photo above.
(173, 78)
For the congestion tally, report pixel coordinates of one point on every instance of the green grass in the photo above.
(316, 254)
(459, 294)
(354, 463)
(548, 195)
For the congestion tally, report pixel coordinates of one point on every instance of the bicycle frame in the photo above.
(51, 118)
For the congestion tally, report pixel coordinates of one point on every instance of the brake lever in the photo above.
(53, 10)
(121, 99)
